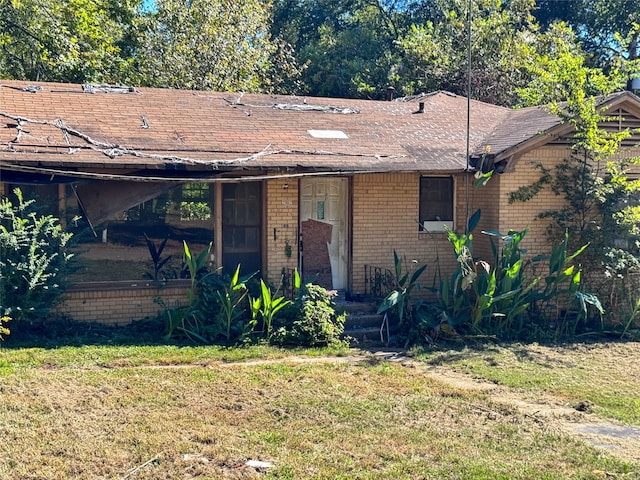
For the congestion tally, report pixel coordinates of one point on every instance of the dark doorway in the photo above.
(242, 226)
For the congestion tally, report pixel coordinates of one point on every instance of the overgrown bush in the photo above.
(33, 259)
(507, 297)
(311, 320)
(230, 310)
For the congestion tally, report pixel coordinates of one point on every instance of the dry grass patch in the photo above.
(323, 419)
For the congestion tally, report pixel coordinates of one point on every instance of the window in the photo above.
(436, 203)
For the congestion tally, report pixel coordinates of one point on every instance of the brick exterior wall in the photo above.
(521, 215)
(119, 303)
(385, 218)
(281, 226)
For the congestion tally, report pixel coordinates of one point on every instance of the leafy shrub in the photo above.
(498, 297)
(181, 318)
(215, 311)
(33, 259)
(311, 320)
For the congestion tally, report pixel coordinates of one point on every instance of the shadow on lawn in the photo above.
(60, 332)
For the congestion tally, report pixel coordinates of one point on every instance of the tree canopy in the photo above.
(67, 40)
(339, 48)
(207, 45)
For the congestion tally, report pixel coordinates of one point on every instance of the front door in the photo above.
(324, 227)
(241, 226)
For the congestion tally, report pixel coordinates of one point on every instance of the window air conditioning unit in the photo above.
(437, 225)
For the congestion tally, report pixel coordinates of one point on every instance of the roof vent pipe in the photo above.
(390, 92)
(421, 107)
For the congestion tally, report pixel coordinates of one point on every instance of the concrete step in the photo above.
(362, 325)
(356, 307)
(363, 320)
(365, 337)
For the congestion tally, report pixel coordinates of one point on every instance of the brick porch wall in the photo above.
(281, 227)
(119, 303)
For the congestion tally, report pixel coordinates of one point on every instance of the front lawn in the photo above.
(161, 412)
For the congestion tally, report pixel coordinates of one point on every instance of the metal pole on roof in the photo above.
(468, 151)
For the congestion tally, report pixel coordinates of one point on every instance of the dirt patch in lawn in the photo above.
(550, 412)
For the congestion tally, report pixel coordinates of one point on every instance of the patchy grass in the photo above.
(158, 412)
(605, 374)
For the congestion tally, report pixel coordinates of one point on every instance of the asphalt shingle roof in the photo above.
(60, 125)
(74, 126)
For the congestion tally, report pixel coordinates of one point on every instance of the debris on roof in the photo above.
(32, 89)
(104, 88)
(303, 107)
(315, 108)
(420, 96)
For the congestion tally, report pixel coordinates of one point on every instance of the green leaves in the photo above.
(206, 45)
(270, 306)
(399, 299)
(497, 297)
(67, 40)
(33, 259)
(194, 265)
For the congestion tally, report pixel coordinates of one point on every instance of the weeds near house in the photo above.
(270, 305)
(311, 319)
(230, 298)
(499, 297)
(400, 298)
(221, 310)
(195, 265)
(409, 316)
(182, 318)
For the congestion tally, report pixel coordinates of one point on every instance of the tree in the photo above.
(210, 45)
(599, 206)
(607, 28)
(435, 55)
(349, 47)
(67, 40)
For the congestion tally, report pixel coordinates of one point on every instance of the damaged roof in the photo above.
(82, 127)
(71, 126)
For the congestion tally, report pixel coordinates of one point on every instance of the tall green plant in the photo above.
(194, 265)
(33, 259)
(270, 306)
(183, 318)
(230, 298)
(400, 297)
(499, 297)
